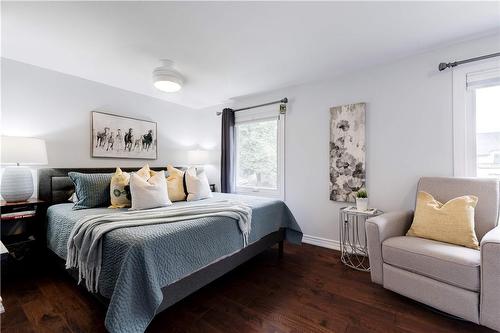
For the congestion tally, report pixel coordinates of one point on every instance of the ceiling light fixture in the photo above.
(166, 78)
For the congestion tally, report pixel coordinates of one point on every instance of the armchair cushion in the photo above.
(448, 263)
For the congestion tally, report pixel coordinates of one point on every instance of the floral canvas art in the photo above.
(347, 151)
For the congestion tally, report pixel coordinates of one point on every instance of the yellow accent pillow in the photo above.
(452, 222)
(119, 188)
(175, 184)
(144, 172)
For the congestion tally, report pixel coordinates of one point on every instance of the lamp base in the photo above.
(17, 184)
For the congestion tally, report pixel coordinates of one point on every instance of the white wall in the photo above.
(57, 107)
(409, 133)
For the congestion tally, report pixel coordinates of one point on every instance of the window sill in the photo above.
(260, 193)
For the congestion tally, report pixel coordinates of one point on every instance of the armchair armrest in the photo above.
(490, 279)
(378, 229)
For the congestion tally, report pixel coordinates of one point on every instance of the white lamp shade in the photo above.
(197, 157)
(24, 151)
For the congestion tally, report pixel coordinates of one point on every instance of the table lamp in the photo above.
(17, 181)
(197, 157)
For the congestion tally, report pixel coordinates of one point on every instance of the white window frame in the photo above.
(255, 115)
(464, 118)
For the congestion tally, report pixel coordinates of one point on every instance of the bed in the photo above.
(148, 268)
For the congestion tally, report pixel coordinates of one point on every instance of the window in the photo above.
(259, 152)
(476, 120)
(486, 104)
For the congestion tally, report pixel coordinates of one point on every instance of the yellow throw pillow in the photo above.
(452, 222)
(119, 188)
(175, 184)
(144, 172)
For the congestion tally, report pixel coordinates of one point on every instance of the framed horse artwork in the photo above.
(115, 136)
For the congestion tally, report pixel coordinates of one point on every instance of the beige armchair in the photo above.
(460, 281)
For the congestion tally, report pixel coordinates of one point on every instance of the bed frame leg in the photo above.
(280, 250)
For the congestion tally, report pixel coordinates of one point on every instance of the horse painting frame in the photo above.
(117, 136)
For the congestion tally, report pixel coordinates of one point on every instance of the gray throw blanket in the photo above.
(85, 241)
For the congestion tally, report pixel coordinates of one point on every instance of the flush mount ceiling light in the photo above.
(166, 78)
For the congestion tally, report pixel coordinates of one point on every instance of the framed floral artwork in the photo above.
(347, 151)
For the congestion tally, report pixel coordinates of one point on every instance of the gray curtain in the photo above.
(227, 151)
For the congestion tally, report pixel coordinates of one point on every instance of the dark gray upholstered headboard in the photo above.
(54, 185)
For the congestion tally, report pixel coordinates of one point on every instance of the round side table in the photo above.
(353, 247)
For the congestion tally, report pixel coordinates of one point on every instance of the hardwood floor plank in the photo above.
(24, 327)
(75, 310)
(43, 318)
(297, 316)
(243, 313)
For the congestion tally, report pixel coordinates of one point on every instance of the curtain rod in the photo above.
(442, 66)
(283, 100)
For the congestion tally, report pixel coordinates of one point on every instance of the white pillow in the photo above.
(197, 185)
(151, 193)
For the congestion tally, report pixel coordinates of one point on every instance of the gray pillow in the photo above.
(92, 189)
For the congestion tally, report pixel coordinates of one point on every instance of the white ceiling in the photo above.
(230, 49)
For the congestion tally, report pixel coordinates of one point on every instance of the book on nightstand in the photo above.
(18, 215)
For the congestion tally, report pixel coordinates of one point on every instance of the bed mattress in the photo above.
(138, 261)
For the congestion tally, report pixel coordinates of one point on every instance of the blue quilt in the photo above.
(138, 261)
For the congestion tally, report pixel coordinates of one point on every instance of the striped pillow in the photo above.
(92, 189)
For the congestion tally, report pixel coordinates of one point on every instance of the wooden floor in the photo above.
(309, 290)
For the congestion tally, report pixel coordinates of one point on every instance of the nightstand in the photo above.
(21, 226)
(353, 243)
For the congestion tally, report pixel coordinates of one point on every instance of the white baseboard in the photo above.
(323, 242)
